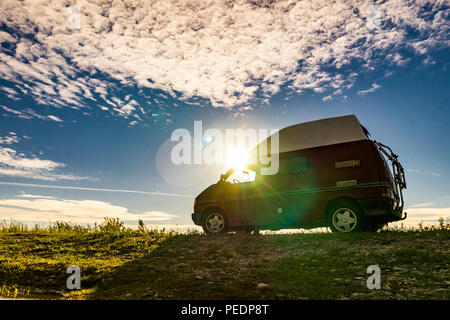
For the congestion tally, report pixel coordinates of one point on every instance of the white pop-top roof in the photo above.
(318, 133)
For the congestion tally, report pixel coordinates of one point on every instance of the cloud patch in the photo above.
(14, 164)
(228, 52)
(374, 87)
(427, 214)
(29, 114)
(40, 209)
(9, 139)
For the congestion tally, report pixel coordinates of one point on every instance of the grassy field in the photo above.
(120, 263)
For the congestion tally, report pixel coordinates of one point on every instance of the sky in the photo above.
(91, 92)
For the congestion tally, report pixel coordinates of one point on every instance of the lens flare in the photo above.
(237, 158)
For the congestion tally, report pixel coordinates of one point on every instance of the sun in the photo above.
(237, 158)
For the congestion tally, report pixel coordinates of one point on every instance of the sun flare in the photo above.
(237, 158)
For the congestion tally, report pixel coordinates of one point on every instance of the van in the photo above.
(330, 174)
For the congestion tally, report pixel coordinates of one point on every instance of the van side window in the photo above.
(294, 164)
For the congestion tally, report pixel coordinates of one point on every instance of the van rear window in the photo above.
(294, 164)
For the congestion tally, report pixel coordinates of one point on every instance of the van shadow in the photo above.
(194, 266)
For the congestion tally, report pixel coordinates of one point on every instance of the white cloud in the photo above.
(44, 209)
(15, 164)
(9, 139)
(33, 196)
(157, 216)
(421, 214)
(374, 87)
(397, 59)
(434, 174)
(225, 51)
(54, 118)
(30, 114)
(416, 214)
(424, 204)
(18, 113)
(9, 157)
(11, 93)
(6, 37)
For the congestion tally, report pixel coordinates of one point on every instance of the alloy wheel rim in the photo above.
(215, 222)
(344, 220)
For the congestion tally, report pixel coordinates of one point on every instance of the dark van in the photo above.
(330, 174)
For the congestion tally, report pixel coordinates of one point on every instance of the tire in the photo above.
(214, 222)
(345, 217)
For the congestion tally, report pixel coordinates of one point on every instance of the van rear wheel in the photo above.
(214, 222)
(345, 217)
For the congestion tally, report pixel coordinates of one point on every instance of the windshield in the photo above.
(240, 176)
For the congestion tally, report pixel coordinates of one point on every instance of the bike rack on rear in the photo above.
(398, 172)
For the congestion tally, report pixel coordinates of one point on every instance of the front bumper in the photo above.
(196, 218)
(382, 208)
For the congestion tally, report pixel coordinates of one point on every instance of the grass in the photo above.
(121, 263)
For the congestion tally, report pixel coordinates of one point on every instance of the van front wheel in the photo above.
(345, 218)
(214, 222)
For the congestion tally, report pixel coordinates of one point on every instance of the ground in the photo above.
(142, 264)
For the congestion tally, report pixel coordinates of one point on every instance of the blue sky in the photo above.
(92, 108)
